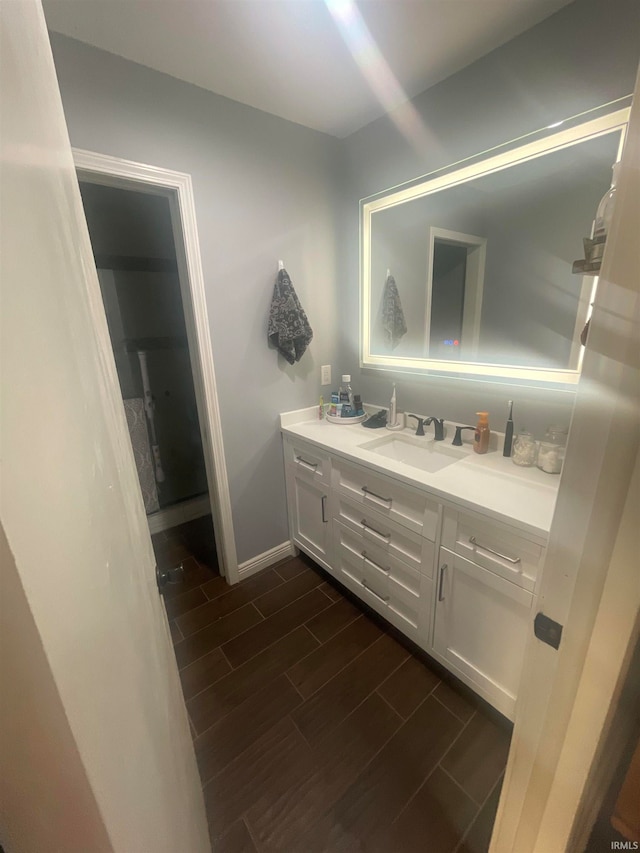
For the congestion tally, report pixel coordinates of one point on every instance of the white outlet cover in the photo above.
(325, 374)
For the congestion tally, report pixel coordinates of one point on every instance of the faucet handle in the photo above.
(457, 440)
(420, 430)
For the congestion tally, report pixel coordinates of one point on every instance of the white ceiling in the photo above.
(288, 57)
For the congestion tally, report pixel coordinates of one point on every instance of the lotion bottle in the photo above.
(481, 439)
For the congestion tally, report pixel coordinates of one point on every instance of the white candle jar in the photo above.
(552, 449)
(525, 450)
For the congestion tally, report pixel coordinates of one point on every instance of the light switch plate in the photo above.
(325, 374)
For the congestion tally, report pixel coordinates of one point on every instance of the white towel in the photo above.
(393, 322)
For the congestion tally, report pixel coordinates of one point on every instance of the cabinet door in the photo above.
(309, 516)
(481, 626)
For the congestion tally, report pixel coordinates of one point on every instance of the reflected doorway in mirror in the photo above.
(455, 279)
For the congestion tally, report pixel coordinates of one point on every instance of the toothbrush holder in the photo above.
(400, 422)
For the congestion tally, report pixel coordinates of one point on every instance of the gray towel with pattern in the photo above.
(393, 322)
(289, 330)
(137, 423)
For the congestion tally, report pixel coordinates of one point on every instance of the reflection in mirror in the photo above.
(482, 264)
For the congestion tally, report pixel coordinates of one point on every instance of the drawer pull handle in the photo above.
(383, 600)
(385, 536)
(301, 461)
(368, 493)
(473, 541)
(377, 565)
(323, 503)
(443, 569)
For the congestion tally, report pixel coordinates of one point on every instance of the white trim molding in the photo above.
(177, 187)
(266, 559)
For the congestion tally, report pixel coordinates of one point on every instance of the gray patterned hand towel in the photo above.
(392, 314)
(289, 330)
(137, 423)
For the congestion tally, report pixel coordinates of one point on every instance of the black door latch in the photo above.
(547, 630)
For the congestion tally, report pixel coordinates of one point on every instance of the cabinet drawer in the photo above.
(493, 546)
(391, 499)
(376, 563)
(308, 461)
(392, 588)
(388, 536)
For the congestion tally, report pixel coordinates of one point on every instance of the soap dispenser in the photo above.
(481, 439)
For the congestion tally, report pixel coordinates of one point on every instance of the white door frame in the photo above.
(178, 189)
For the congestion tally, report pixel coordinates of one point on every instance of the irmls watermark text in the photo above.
(625, 845)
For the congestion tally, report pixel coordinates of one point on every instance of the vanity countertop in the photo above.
(489, 484)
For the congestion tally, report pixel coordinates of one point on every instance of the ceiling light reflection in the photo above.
(377, 73)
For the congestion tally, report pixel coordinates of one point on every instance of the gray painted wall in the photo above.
(268, 189)
(264, 189)
(585, 55)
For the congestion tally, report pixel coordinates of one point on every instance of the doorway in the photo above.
(135, 258)
(455, 281)
(141, 222)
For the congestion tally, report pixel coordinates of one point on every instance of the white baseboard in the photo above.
(267, 558)
(172, 516)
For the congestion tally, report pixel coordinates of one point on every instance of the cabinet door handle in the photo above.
(311, 465)
(383, 600)
(473, 541)
(324, 504)
(385, 536)
(369, 494)
(377, 565)
(443, 569)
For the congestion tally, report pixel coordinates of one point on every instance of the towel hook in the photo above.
(388, 272)
(280, 265)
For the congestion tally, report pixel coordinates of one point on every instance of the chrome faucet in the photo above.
(438, 426)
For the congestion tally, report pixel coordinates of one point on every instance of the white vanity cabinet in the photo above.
(308, 483)
(374, 534)
(458, 583)
(484, 604)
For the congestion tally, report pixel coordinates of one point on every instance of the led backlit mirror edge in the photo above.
(538, 144)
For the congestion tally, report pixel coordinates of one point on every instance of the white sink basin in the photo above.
(425, 454)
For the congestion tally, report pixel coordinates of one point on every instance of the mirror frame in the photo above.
(455, 175)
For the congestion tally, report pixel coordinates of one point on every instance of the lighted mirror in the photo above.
(469, 270)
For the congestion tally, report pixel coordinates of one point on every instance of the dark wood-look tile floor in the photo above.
(316, 728)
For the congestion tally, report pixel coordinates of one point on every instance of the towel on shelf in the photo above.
(393, 322)
(289, 330)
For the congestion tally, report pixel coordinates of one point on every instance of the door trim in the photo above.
(177, 187)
